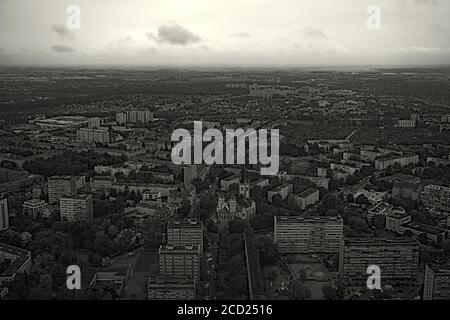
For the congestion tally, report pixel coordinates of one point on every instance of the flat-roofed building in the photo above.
(436, 283)
(19, 262)
(36, 208)
(401, 160)
(305, 198)
(187, 232)
(100, 135)
(397, 258)
(407, 190)
(63, 185)
(308, 234)
(438, 197)
(180, 261)
(170, 288)
(283, 190)
(101, 183)
(395, 219)
(76, 208)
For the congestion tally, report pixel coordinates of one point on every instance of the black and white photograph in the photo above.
(224, 158)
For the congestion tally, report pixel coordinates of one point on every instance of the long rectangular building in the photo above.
(308, 234)
(170, 288)
(398, 260)
(401, 160)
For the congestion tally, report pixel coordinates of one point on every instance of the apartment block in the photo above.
(76, 208)
(19, 262)
(133, 116)
(100, 135)
(438, 197)
(308, 234)
(180, 261)
(436, 283)
(400, 160)
(283, 191)
(397, 258)
(184, 233)
(170, 288)
(306, 198)
(407, 190)
(35, 208)
(63, 185)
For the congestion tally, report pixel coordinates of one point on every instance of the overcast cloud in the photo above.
(224, 32)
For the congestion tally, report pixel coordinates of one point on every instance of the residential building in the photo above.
(36, 208)
(19, 262)
(133, 116)
(180, 261)
(184, 233)
(436, 283)
(97, 135)
(306, 198)
(63, 185)
(400, 160)
(395, 219)
(407, 190)
(293, 234)
(227, 182)
(101, 183)
(397, 258)
(438, 197)
(406, 123)
(94, 123)
(170, 288)
(283, 191)
(76, 208)
(439, 161)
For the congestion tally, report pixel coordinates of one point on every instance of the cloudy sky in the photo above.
(225, 32)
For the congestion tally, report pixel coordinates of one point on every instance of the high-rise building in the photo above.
(35, 208)
(180, 261)
(295, 234)
(170, 288)
(184, 233)
(398, 260)
(4, 215)
(94, 123)
(133, 116)
(121, 118)
(100, 135)
(436, 197)
(76, 208)
(189, 173)
(63, 185)
(436, 283)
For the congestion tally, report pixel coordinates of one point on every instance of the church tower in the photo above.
(244, 185)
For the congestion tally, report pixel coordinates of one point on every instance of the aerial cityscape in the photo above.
(223, 180)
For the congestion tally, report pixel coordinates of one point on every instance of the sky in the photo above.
(225, 32)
